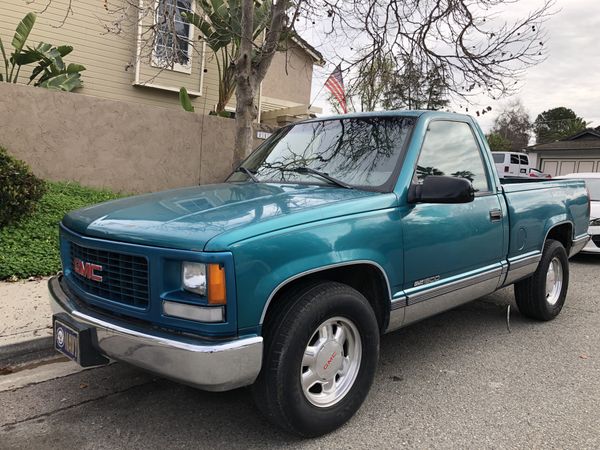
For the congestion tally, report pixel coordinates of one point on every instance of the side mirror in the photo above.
(441, 189)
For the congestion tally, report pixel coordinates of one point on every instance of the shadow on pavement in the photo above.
(587, 258)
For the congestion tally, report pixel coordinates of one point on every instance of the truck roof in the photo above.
(397, 112)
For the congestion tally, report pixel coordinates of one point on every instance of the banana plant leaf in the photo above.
(63, 82)
(22, 32)
(215, 40)
(186, 102)
(74, 68)
(64, 50)
(44, 53)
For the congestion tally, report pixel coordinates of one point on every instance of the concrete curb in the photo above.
(26, 320)
(25, 350)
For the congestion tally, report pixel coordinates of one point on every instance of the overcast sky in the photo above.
(569, 77)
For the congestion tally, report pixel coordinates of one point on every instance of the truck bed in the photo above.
(528, 214)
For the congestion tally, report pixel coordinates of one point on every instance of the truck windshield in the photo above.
(358, 152)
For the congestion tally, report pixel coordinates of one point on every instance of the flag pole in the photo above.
(317, 95)
(335, 84)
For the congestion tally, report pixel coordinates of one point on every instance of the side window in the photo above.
(514, 159)
(524, 160)
(498, 158)
(451, 149)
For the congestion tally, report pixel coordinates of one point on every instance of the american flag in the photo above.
(335, 84)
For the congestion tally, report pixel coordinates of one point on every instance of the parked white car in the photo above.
(511, 164)
(535, 173)
(592, 182)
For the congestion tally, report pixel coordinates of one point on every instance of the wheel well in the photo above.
(365, 278)
(562, 233)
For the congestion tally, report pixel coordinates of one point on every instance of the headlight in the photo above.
(595, 222)
(194, 277)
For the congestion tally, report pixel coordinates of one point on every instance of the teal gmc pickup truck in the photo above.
(332, 232)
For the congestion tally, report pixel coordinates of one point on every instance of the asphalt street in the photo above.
(458, 380)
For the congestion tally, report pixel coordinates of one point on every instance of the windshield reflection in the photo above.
(361, 152)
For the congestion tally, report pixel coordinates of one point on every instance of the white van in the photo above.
(509, 164)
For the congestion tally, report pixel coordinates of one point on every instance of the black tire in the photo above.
(278, 391)
(530, 293)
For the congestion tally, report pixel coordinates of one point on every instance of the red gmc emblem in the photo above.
(88, 270)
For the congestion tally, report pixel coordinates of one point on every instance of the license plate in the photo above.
(66, 340)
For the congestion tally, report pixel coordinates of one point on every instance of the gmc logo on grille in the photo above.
(87, 270)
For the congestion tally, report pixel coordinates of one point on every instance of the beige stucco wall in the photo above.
(289, 76)
(124, 146)
(111, 59)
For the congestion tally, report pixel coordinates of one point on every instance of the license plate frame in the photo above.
(66, 340)
(79, 341)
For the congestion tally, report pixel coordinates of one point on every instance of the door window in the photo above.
(450, 149)
(514, 159)
(524, 159)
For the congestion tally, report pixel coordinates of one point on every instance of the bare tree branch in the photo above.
(469, 43)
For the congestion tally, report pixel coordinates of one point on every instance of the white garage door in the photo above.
(558, 166)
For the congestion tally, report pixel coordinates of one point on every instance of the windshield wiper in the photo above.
(308, 170)
(246, 171)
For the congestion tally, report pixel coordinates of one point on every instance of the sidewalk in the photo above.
(25, 318)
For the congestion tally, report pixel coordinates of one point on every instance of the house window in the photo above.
(173, 42)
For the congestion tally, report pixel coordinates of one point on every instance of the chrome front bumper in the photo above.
(208, 365)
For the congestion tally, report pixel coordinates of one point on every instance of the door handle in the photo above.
(496, 215)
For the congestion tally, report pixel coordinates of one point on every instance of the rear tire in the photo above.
(543, 294)
(321, 352)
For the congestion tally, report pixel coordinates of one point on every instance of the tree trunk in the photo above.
(245, 110)
(245, 115)
(249, 74)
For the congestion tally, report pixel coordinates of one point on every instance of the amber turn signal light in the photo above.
(216, 285)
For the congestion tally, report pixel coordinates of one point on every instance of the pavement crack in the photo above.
(10, 425)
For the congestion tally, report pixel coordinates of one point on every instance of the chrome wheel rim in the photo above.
(554, 281)
(331, 362)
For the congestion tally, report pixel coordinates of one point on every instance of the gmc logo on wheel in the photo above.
(87, 270)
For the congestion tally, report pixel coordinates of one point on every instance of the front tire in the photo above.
(542, 295)
(321, 352)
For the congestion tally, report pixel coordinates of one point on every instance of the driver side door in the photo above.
(452, 252)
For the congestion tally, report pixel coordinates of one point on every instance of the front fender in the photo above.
(266, 263)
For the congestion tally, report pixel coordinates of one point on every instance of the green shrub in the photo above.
(20, 189)
(30, 247)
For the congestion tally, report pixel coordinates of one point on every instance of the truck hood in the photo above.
(189, 218)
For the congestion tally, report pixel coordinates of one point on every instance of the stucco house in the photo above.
(577, 153)
(124, 64)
